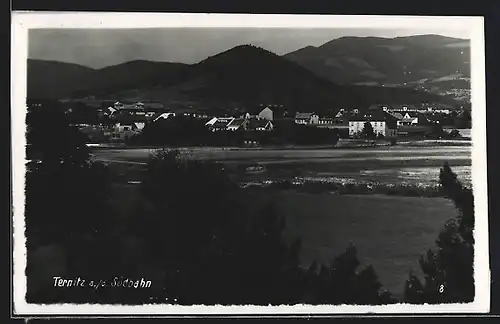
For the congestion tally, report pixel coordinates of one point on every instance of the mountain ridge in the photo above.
(398, 61)
(246, 74)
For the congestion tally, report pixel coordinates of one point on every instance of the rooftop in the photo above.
(236, 122)
(377, 116)
(397, 115)
(258, 123)
(221, 123)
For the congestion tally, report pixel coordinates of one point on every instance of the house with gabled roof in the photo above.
(109, 111)
(409, 118)
(382, 123)
(260, 125)
(307, 118)
(219, 123)
(237, 124)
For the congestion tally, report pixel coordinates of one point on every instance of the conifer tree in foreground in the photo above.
(448, 270)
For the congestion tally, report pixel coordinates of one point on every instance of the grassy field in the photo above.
(390, 232)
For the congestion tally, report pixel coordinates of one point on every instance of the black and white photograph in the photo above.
(248, 164)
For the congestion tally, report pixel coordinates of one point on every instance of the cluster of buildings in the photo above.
(335, 120)
(124, 120)
(263, 121)
(385, 121)
(402, 121)
(120, 120)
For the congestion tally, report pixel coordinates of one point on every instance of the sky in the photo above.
(98, 48)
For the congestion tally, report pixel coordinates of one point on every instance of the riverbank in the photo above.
(346, 187)
(341, 144)
(270, 181)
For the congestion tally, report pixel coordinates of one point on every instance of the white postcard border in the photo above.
(23, 21)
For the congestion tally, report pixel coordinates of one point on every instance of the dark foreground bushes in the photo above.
(449, 272)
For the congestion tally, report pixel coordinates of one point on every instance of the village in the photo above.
(120, 120)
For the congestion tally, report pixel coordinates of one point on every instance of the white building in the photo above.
(408, 119)
(382, 124)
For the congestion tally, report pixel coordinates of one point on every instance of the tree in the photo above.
(60, 181)
(50, 138)
(66, 202)
(454, 133)
(437, 130)
(449, 270)
(367, 131)
(342, 283)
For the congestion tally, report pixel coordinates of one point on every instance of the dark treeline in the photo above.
(189, 233)
(188, 131)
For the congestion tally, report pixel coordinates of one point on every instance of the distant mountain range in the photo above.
(244, 74)
(432, 62)
(56, 80)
